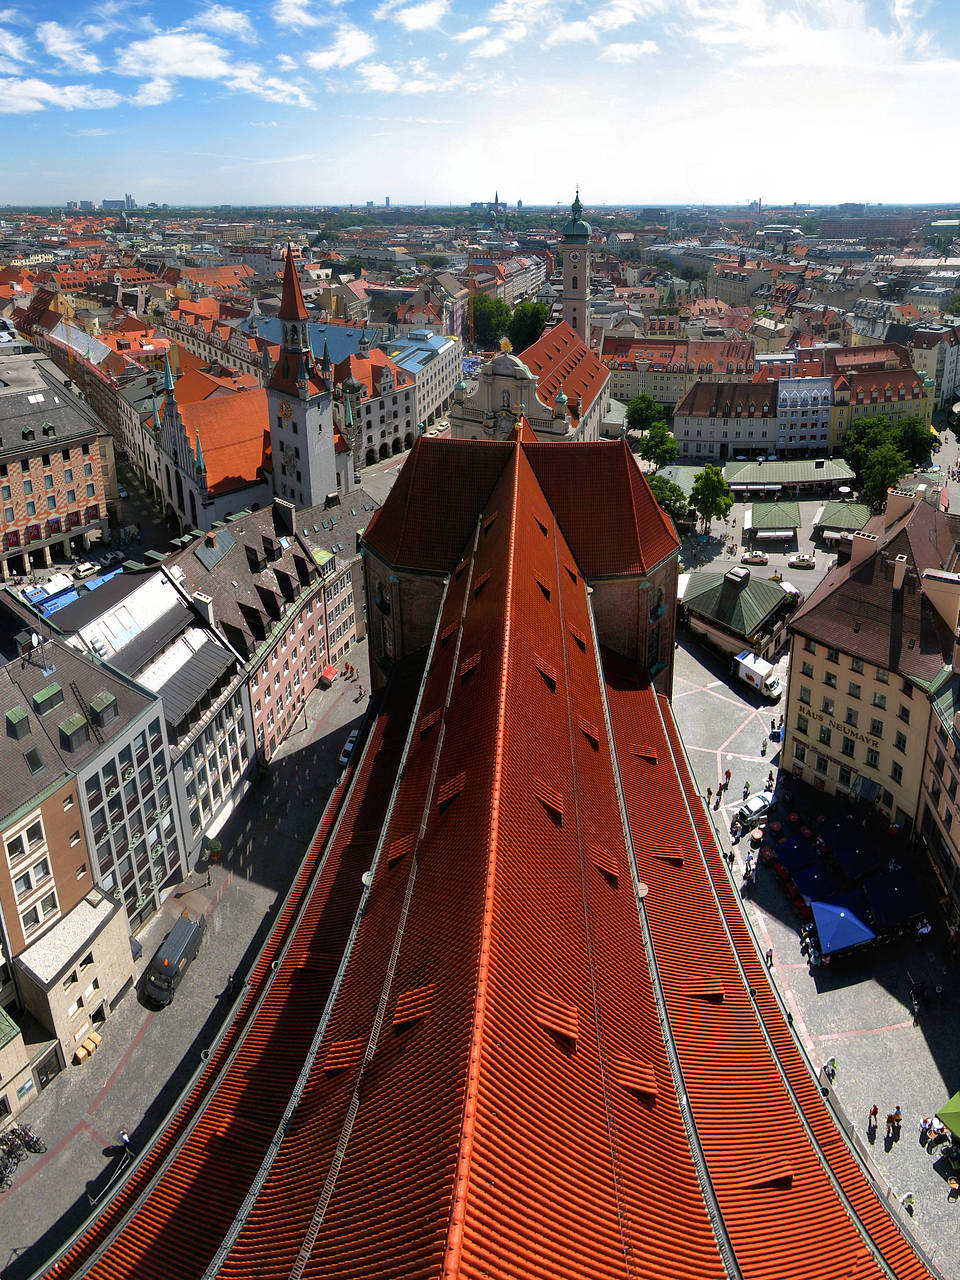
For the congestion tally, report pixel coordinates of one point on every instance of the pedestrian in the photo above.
(769, 957)
(906, 1202)
(773, 726)
(709, 795)
(726, 777)
(830, 1069)
(746, 789)
(763, 747)
(873, 1117)
(124, 1139)
(770, 780)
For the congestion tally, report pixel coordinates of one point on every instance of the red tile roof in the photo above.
(292, 306)
(561, 359)
(234, 434)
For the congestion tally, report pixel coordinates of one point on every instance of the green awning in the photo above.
(949, 1113)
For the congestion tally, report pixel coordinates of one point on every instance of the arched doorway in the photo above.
(408, 441)
(173, 520)
(371, 458)
(169, 486)
(384, 451)
(193, 509)
(396, 447)
(180, 503)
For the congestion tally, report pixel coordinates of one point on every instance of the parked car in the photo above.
(755, 808)
(122, 491)
(801, 560)
(85, 569)
(754, 557)
(114, 557)
(348, 746)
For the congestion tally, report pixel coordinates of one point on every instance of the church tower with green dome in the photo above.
(575, 246)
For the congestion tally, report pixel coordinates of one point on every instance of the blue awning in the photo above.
(838, 926)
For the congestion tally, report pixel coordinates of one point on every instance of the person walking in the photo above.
(726, 779)
(873, 1118)
(709, 796)
(769, 957)
(124, 1139)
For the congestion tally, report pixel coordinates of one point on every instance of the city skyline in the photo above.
(296, 103)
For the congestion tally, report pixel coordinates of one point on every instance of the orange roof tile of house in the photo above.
(234, 434)
(562, 361)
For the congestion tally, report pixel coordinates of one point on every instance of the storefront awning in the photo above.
(774, 534)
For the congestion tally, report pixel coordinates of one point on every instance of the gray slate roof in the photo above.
(805, 471)
(742, 610)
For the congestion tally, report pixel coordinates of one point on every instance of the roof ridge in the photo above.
(453, 1246)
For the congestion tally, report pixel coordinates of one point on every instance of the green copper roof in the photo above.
(742, 610)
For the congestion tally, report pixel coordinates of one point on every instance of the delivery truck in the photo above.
(756, 671)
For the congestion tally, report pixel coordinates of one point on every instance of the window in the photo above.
(799, 751)
(28, 486)
(844, 777)
(833, 655)
(827, 706)
(853, 689)
(809, 646)
(880, 700)
(852, 716)
(900, 741)
(822, 764)
(876, 728)
(896, 772)
(904, 714)
(825, 735)
(873, 758)
(846, 747)
(805, 695)
(883, 677)
(806, 669)
(830, 679)
(935, 793)
(856, 664)
(803, 724)
(938, 763)
(87, 469)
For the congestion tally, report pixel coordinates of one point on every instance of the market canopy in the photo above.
(796, 853)
(893, 897)
(816, 882)
(949, 1113)
(839, 927)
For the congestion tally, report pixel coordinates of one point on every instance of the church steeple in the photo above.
(293, 312)
(576, 209)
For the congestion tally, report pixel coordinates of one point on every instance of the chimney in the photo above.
(204, 606)
(862, 546)
(286, 514)
(899, 572)
(899, 502)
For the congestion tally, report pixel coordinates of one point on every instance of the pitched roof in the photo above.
(434, 505)
(234, 433)
(561, 360)
(292, 306)
(743, 610)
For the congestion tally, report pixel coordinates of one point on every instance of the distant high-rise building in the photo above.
(519, 204)
(369, 204)
(386, 202)
(129, 202)
(112, 204)
(85, 204)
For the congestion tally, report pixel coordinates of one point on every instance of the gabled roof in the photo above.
(562, 361)
(444, 484)
(743, 610)
(234, 431)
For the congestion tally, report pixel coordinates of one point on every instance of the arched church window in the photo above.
(573, 283)
(506, 400)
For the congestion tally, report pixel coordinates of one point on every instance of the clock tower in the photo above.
(575, 246)
(302, 442)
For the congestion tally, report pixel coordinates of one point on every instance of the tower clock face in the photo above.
(574, 256)
(285, 410)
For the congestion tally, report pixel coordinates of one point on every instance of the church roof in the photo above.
(445, 484)
(292, 306)
(561, 359)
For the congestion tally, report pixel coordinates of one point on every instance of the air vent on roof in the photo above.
(489, 521)
(413, 1005)
(543, 587)
(589, 731)
(18, 723)
(606, 861)
(579, 639)
(550, 798)
(548, 672)
(706, 988)
(557, 1018)
(646, 753)
(398, 849)
(673, 856)
(428, 721)
(770, 1174)
(481, 582)
(342, 1055)
(635, 1075)
(468, 665)
(448, 631)
(450, 789)
(543, 527)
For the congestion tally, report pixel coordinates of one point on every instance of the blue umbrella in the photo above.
(838, 927)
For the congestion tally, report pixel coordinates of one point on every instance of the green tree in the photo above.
(528, 321)
(863, 438)
(490, 319)
(883, 469)
(711, 497)
(914, 439)
(658, 446)
(643, 412)
(435, 261)
(670, 497)
(952, 305)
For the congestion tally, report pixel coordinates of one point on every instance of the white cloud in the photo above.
(619, 13)
(12, 46)
(226, 21)
(350, 45)
(295, 13)
(93, 133)
(153, 93)
(570, 33)
(379, 78)
(285, 62)
(617, 52)
(18, 96)
(493, 48)
(66, 47)
(472, 33)
(421, 17)
(263, 124)
(247, 77)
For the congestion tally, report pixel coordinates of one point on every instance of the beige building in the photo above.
(866, 648)
(938, 818)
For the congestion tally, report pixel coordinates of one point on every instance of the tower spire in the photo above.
(576, 209)
(292, 306)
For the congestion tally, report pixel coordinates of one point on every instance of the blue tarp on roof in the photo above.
(59, 600)
(839, 927)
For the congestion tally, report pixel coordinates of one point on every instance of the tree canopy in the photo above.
(711, 497)
(910, 439)
(670, 497)
(490, 319)
(527, 323)
(883, 469)
(658, 446)
(643, 412)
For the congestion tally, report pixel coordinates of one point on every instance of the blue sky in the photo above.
(638, 101)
